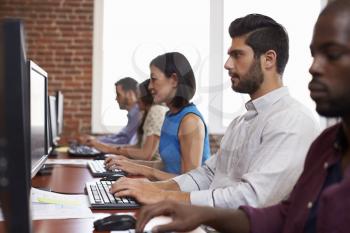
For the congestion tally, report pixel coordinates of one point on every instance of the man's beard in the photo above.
(251, 81)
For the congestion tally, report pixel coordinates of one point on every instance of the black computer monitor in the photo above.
(38, 116)
(14, 128)
(59, 109)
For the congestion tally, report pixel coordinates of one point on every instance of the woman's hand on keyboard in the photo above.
(129, 167)
(111, 160)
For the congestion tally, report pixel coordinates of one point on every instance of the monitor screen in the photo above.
(14, 128)
(59, 108)
(53, 120)
(38, 120)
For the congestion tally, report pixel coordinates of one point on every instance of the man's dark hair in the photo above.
(174, 62)
(263, 34)
(128, 84)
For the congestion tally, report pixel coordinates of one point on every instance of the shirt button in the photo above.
(325, 165)
(336, 145)
(309, 205)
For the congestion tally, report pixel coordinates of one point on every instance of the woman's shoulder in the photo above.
(191, 122)
(191, 118)
(157, 110)
(158, 107)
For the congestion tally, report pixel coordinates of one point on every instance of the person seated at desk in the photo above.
(126, 97)
(262, 152)
(320, 201)
(184, 140)
(148, 132)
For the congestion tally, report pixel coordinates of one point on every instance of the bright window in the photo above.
(129, 34)
(135, 32)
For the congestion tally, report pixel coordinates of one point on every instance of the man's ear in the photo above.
(269, 60)
(131, 95)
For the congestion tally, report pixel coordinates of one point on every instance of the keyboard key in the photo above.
(100, 198)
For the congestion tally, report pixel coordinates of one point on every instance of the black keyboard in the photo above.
(83, 151)
(98, 169)
(100, 198)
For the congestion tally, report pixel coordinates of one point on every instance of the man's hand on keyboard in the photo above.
(184, 217)
(87, 140)
(142, 190)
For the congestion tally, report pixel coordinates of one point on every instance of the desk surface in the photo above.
(70, 180)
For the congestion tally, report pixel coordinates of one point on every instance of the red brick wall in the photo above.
(59, 39)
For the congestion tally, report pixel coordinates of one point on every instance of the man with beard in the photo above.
(262, 152)
(320, 201)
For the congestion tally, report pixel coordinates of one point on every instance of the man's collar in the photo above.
(134, 109)
(261, 103)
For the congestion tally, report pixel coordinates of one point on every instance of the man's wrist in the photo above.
(117, 150)
(95, 143)
(177, 196)
(170, 185)
(186, 197)
(100, 146)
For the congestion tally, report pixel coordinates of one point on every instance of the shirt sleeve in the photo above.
(277, 164)
(199, 178)
(154, 120)
(266, 220)
(119, 138)
(125, 135)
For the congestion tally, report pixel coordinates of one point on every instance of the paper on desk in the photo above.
(42, 211)
(62, 149)
(49, 205)
(41, 196)
(160, 220)
(69, 162)
(53, 211)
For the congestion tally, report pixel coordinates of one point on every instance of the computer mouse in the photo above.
(115, 222)
(112, 177)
